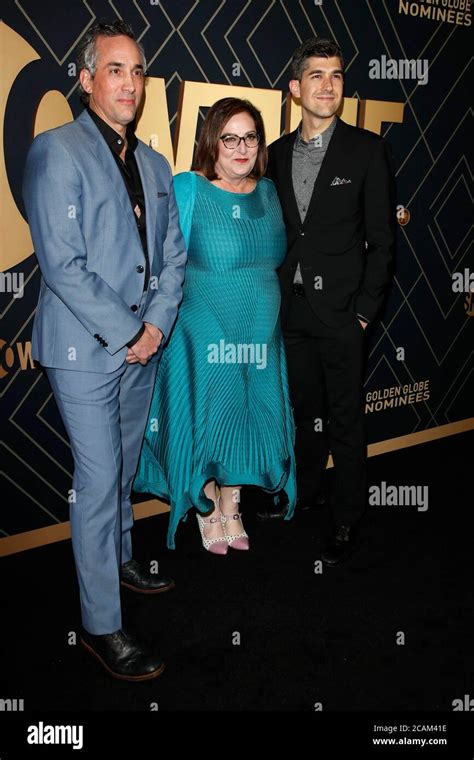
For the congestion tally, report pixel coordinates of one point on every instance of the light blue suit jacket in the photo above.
(88, 247)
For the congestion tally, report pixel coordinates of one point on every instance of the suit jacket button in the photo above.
(140, 269)
(302, 233)
(134, 307)
(96, 336)
(105, 344)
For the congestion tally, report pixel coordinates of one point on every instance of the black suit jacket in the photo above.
(348, 235)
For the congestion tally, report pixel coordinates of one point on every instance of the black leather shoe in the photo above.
(135, 578)
(312, 505)
(273, 511)
(122, 656)
(278, 512)
(340, 545)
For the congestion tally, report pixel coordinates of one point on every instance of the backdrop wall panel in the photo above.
(419, 376)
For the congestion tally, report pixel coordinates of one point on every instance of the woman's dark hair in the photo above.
(314, 48)
(217, 117)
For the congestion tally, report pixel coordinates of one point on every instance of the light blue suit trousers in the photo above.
(105, 416)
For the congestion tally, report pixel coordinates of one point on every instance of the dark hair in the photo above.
(87, 50)
(217, 117)
(314, 48)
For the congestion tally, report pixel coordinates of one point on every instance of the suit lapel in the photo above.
(102, 153)
(150, 190)
(326, 172)
(289, 196)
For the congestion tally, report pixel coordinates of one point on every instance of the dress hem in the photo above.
(150, 479)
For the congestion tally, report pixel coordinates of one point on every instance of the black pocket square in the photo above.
(161, 195)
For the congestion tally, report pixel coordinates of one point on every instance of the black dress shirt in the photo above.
(133, 183)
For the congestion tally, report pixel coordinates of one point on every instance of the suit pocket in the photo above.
(362, 329)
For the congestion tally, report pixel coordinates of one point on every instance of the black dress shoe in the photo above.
(340, 545)
(136, 578)
(273, 511)
(312, 505)
(122, 656)
(278, 512)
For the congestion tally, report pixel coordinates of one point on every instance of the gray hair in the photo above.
(87, 51)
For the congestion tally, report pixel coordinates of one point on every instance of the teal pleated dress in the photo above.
(220, 408)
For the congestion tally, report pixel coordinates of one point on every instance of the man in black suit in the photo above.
(336, 189)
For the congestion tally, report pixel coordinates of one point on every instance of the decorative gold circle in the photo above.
(403, 216)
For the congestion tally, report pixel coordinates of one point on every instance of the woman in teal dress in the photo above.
(220, 414)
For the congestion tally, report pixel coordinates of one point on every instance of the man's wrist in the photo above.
(137, 337)
(153, 328)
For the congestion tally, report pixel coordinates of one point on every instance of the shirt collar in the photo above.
(111, 137)
(325, 137)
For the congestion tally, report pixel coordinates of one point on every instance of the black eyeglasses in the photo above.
(231, 142)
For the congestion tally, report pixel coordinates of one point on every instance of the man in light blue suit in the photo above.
(105, 228)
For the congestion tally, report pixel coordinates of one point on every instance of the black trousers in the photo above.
(326, 372)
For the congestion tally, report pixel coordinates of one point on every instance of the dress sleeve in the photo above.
(185, 191)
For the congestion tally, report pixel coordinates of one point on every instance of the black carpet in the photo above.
(264, 630)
